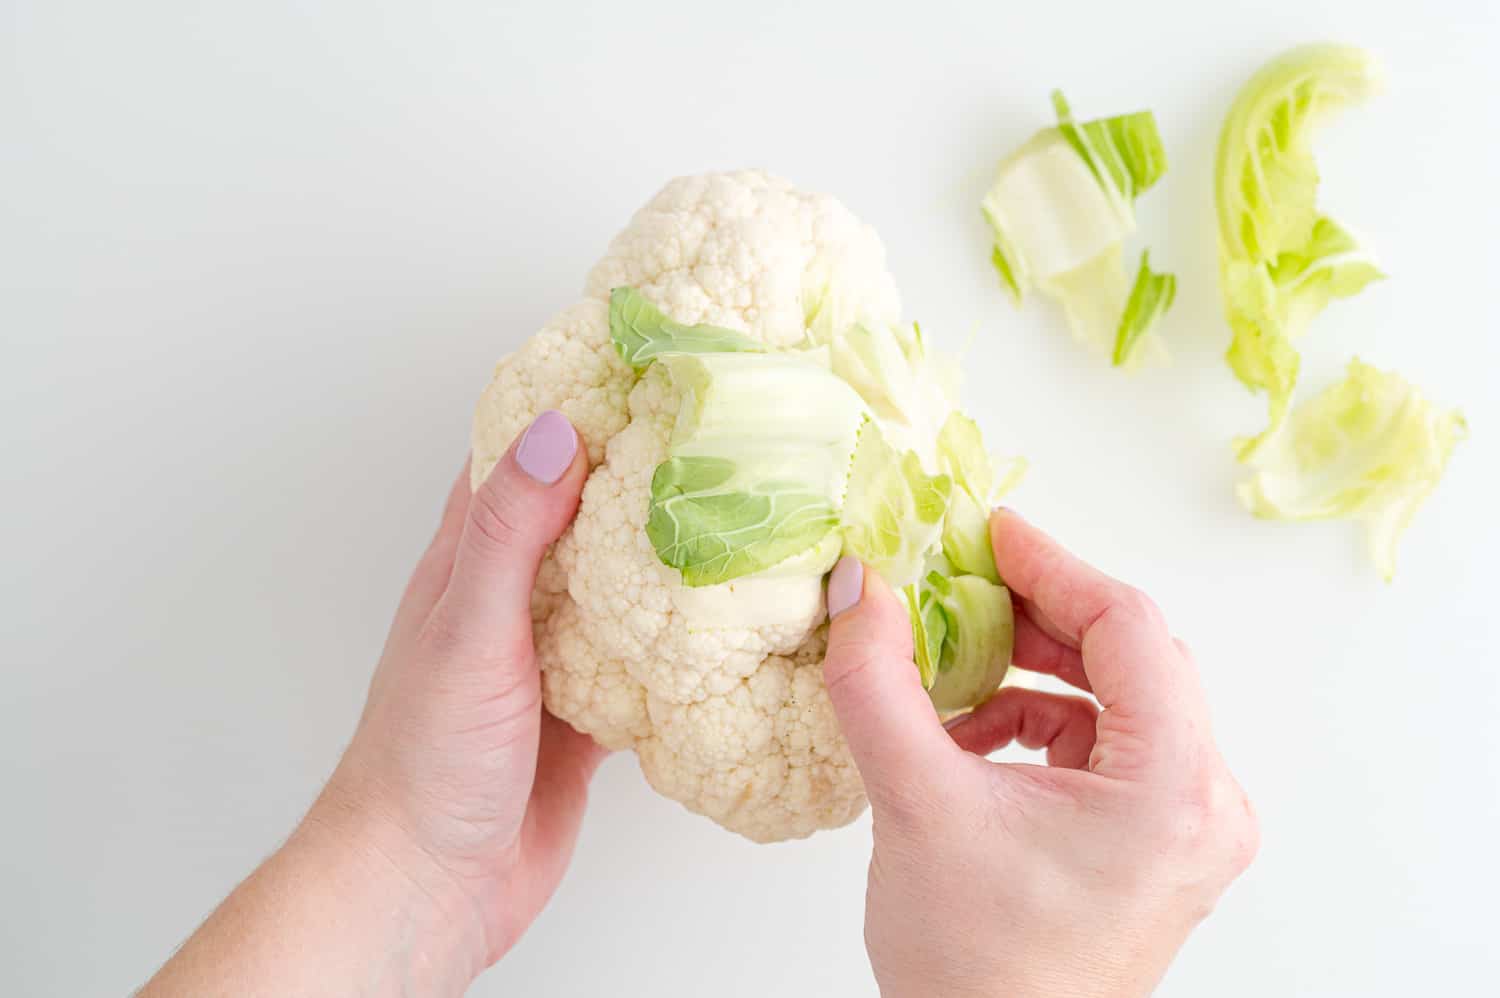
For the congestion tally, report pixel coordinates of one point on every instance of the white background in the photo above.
(257, 260)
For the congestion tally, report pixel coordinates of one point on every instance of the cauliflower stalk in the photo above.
(751, 410)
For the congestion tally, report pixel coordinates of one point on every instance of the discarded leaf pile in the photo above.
(1061, 206)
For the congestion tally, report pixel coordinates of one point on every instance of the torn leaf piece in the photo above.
(1150, 297)
(1369, 448)
(1060, 208)
(1280, 261)
(1125, 152)
(894, 510)
(1270, 306)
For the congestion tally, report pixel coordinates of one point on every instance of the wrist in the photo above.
(1081, 971)
(1022, 985)
(435, 939)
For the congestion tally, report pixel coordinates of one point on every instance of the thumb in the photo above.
(892, 729)
(522, 507)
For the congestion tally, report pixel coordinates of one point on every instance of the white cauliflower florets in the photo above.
(726, 711)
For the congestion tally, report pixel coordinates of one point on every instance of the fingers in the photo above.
(1127, 653)
(1037, 617)
(1037, 651)
(1149, 690)
(521, 508)
(1062, 725)
(889, 722)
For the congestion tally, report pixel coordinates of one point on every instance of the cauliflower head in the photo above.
(718, 690)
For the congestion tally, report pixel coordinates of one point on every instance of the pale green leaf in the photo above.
(1150, 297)
(1265, 177)
(1280, 261)
(929, 627)
(1270, 305)
(714, 520)
(1124, 152)
(758, 465)
(642, 333)
(966, 532)
(977, 641)
(1369, 448)
(893, 512)
(1060, 209)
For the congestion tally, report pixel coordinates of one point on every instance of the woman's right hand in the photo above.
(1080, 878)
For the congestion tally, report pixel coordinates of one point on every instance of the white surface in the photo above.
(257, 260)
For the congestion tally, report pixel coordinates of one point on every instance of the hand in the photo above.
(454, 749)
(1080, 879)
(452, 816)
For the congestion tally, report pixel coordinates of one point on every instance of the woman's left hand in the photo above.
(453, 814)
(454, 748)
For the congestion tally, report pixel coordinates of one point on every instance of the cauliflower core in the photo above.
(718, 690)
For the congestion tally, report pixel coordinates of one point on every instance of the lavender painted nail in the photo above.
(845, 585)
(547, 447)
(954, 723)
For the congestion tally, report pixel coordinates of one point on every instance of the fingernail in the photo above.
(1009, 512)
(954, 723)
(547, 447)
(845, 585)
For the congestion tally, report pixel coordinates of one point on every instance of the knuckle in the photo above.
(496, 516)
(1245, 844)
(1136, 606)
(844, 675)
(1213, 825)
(848, 662)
